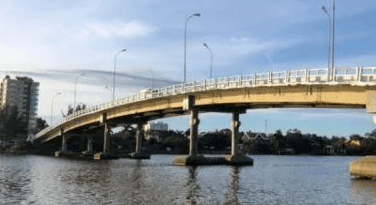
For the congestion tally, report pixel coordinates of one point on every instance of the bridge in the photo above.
(341, 87)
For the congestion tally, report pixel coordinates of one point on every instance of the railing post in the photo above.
(307, 74)
(358, 74)
(286, 76)
(254, 79)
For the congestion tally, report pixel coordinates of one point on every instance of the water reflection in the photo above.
(47, 180)
(233, 186)
(192, 185)
(137, 183)
(363, 191)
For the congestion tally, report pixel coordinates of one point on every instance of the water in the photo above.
(272, 180)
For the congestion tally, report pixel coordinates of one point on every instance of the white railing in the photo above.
(340, 75)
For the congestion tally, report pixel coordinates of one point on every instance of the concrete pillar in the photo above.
(193, 143)
(64, 144)
(139, 136)
(106, 139)
(235, 124)
(90, 144)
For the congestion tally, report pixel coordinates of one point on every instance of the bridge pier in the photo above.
(193, 142)
(138, 154)
(106, 153)
(64, 146)
(193, 158)
(89, 148)
(235, 124)
(236, 157)
(64, 143)
(106, 138)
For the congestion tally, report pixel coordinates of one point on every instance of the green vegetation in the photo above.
(293, 142)
(13, 129)
(12, 126)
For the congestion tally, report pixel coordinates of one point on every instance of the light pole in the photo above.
(52, 105)
(185, 45)
(332, 25)
(211, 60)
(75, 90)
(113, 87)
(330, 34)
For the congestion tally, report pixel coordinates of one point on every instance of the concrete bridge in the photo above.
(343, 87)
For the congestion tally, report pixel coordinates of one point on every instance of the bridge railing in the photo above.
(273, 78)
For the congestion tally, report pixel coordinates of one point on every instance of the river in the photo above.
(28, 179)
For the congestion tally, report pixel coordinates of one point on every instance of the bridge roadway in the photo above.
(345, 87)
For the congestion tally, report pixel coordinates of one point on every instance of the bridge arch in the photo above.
(322, 88)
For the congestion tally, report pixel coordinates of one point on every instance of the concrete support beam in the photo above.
(139, 136)
(138, 154)
(89, 144)
(106, 139)
(235, 124)
(64, 144)
(194, 122)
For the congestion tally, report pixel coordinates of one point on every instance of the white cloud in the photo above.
(116, 28)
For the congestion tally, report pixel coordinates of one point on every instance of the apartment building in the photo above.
(23, 93)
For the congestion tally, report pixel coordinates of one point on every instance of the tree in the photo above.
(11, 123)
(41, 124)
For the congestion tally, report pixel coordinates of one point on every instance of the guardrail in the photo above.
(339, 75)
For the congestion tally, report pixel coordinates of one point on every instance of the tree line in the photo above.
(293, 142)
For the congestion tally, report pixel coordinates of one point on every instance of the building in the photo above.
(21, 92)
(160, 126)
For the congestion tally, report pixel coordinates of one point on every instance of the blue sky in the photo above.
(55, 41)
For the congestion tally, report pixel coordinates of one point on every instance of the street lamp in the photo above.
(211, 60)
(185, 45)
(113, 87)
(332, 32)
(75, 90)
(52, 105)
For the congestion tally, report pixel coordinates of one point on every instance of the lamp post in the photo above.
(211, 60)
(75, 90)
(185, 45)
(52, 105)
(113, 87)
(331, 35)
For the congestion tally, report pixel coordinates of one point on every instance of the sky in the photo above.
(59, 42)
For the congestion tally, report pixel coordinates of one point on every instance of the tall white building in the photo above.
(23, 93)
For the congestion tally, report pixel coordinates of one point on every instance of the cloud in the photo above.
(117, 28)
(93, 77)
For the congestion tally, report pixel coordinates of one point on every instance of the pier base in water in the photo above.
(68, 154)
(104, 156)
(201, 160)
(364, 167)
(139, 156)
